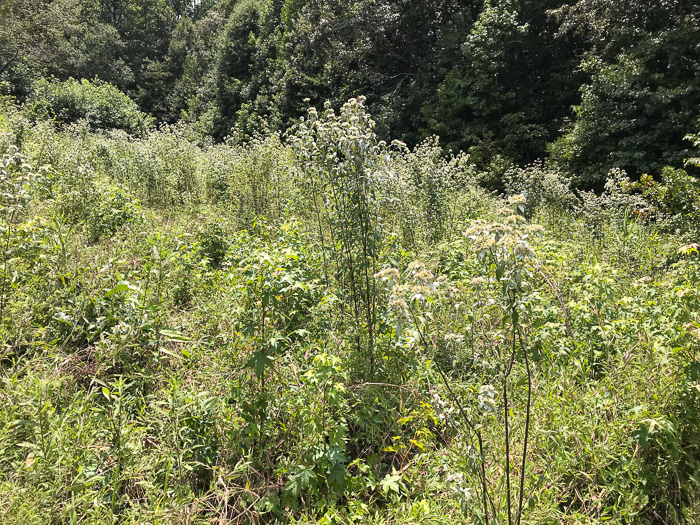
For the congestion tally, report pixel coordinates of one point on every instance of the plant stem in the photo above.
(4, 264)
(507, 429)
(464, 416)
(527, 422)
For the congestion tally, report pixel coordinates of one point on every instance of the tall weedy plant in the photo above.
(504, 251)
(506, 261)
(345, 164)
(15, 180)
(433, 183)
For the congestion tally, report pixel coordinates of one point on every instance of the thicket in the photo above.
(323, 327)
(99, 105)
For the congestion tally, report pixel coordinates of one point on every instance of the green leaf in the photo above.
(305, 476)
(171, 354)
(258, 362)
(175, 337)
(336, 475)
(391, 483)
(642, 436)
(122, 286)
(335, 456)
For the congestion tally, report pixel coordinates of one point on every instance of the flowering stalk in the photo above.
(503, 246)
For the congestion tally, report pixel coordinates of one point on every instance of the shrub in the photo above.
(542, 186)
(254, 178)
(676, 199)
(427, 190)
(102, 105)
(116, 211)
(212, 243)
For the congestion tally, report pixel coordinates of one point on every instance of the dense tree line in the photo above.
(593, 85)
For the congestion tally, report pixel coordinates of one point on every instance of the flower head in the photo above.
(424, 275)
(388, 274)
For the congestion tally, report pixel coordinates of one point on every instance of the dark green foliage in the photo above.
(501, 80)
(510, 87)
(643, 95)
(61, 38)
(234, 65)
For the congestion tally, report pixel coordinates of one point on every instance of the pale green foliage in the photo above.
(16, 179)
(254, 178)
(18, 233)
(426, 190)
(177, 348)
(163, 169)
(118, 209)
(99, 104)
(544, 188)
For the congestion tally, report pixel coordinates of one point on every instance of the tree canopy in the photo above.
(593, 85)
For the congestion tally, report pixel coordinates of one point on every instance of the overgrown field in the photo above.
(324, 328)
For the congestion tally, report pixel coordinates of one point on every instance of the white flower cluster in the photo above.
(487, 399)
(388, 274)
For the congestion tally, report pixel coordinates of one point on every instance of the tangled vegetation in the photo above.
(323, 327)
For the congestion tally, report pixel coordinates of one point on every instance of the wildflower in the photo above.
(398, 305)
(682, 292)
(424, 275)
(524, 250)
(499, 228)
(516, 200)
(478, 281)
(487, 395)
(400, 289)
(388, 274)
(476, 228)
(514, 219)
(483, 243)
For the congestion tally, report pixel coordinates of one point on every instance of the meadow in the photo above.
(321, 327)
